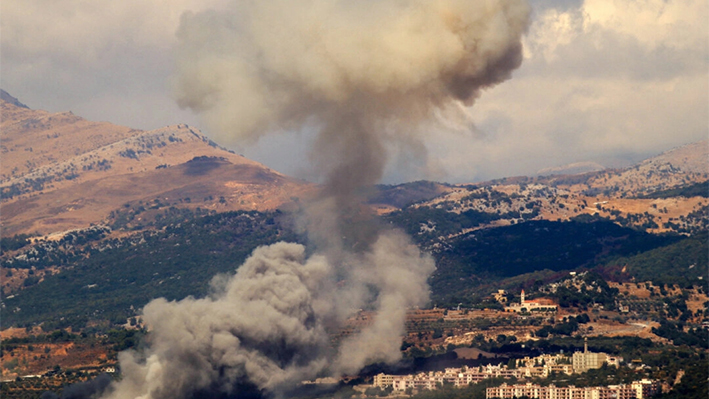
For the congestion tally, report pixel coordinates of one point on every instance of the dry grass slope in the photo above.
(62, 172)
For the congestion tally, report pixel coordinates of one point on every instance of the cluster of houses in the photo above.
(459, 377)
(541, 366)
(636, 390)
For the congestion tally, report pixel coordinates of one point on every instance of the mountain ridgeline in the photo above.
(107, 280)
(110, 279)
(100, 219)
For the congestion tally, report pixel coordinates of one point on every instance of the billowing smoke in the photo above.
(363, 75)
(266, 324)
(262, 325)
(83, 390)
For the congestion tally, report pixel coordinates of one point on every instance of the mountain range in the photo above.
(61, 172)
(99, 214)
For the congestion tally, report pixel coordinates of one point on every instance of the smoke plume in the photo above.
(361, 73)
(259, 325)
(265, 325)
(82, 390)
(364, 75)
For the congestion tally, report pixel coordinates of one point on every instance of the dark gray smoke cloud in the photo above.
(260, 325)
(363, 75)
(83, 390)
(265, 325)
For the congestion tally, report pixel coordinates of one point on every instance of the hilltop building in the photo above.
(525, 305)
(457, 376)
(544, 365)
(384, 380)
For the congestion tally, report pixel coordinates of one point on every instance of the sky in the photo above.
(605, 81)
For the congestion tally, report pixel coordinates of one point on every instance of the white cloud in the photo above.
(99, 59)
(608, 81)
(90, 32)
(603, 80)
(654, 23)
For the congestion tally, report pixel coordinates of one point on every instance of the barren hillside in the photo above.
(674, 168)
(61, 172)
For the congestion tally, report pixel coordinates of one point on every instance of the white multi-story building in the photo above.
(537, 367)
(584, 361)
(636, 390)
(383, 380)
(455, 376)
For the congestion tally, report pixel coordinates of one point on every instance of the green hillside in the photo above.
(491, 255)
(115, 278)
(402, 195)
(684, 263)
(109, 280)
(692, 190)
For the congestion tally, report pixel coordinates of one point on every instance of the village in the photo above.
(471, 333)
(537, 367)
(541, 366)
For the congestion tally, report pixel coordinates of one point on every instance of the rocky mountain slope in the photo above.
(147, 193)
(160, 204)
(661, 194)
(61, 172)
(674, 168)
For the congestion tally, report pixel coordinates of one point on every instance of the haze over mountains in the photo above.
(248, 283)
(118, 217)
(61, 172)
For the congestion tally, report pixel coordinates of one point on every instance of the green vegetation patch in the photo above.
(693, 190)
(684, 263)
(119, 276)
(489, 255)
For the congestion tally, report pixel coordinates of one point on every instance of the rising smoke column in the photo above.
(364, 75)
(264, 325)
(260, 326)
